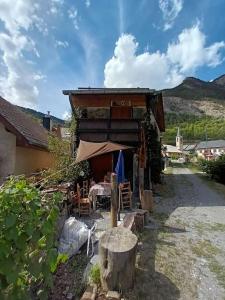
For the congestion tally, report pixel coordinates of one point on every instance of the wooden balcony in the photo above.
(115, 130)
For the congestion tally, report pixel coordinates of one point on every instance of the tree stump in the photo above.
(117, 251)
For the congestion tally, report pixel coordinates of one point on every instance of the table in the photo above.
(99, 189)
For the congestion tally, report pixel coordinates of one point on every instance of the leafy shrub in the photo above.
(64, 168)
(214, 168)
(28, 254)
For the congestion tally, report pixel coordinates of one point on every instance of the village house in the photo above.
(210, 149)
(23, 142)
(117, 115)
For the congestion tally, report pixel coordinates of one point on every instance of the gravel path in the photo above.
(198, 208)
(181, 253)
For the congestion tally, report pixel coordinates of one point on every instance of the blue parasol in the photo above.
(119, 170)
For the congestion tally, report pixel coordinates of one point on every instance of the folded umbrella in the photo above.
(119, 170)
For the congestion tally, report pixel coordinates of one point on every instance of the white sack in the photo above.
(74, 235)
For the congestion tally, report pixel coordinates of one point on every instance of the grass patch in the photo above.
(207, 250)
(203, 227)
(95, 275)
(218, 270)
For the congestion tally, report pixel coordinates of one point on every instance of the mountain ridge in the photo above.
(197, 97)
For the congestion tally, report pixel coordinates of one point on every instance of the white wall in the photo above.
(7, 152)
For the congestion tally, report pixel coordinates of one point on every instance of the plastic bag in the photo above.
(74, 235)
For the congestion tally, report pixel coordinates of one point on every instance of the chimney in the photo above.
(47, 122)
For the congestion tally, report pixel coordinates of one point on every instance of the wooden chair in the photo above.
(84, 204)
(73, 198)
(125, 195)
(85, 189)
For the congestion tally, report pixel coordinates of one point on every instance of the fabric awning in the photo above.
(88, 150)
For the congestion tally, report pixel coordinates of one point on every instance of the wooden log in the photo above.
(117, 252)
(147, 201)
(114, 200)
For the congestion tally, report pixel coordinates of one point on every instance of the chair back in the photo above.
(85, 188)
(125, 195)
(78, 191)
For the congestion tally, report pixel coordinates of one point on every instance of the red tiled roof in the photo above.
(30, 130)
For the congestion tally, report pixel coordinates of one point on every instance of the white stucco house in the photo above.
(210, 149)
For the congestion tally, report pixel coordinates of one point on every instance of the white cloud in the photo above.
(189, 52)
(87, 3)
(18, 81)
(73, 15)
(55, 6)
(63, 44)
(170, 10)
(160, 70)
(121, 16)
(66, 115)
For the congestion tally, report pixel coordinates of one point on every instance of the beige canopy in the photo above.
(88, 150)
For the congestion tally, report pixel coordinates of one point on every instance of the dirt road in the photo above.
(182, 252)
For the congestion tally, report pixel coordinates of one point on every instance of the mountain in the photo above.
(220, 80)
(39, 116)
(197, 97)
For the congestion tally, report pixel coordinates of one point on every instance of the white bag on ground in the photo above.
(74, 235)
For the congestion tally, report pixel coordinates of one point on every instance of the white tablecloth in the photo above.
(99, 189)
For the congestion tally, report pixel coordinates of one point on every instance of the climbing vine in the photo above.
(28, 254)
(153, 145)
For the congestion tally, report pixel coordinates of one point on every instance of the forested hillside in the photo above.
(193, 128)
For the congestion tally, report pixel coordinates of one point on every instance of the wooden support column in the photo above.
(141, 185)
(114, 200)
(135, 174)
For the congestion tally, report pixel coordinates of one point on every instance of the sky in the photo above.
(54, 45)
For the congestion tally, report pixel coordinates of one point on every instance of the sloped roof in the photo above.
(22, 125)
(189, 147)
(109, 91)
(172, 149)
(211, 144)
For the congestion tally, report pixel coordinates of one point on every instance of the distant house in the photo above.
(210, 149)
(23, 142)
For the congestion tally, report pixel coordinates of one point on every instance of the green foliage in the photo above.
(95, 274)
(193, 128)
(153, 149)
(214, 168)
(27, 239)
(64, 168)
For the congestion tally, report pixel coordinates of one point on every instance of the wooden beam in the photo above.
(114, 200)
(107, 100)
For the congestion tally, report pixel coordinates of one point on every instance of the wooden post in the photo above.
(114, 200)
(148, 203)
(141, 185)
(117, 254)
(135, 174)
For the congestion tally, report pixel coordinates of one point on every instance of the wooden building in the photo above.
(117, 115)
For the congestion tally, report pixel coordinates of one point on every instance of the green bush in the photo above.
(214, 168)
(95, 274)
(28, 254)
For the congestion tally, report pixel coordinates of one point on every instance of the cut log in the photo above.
(147, 201)
(117, 251)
